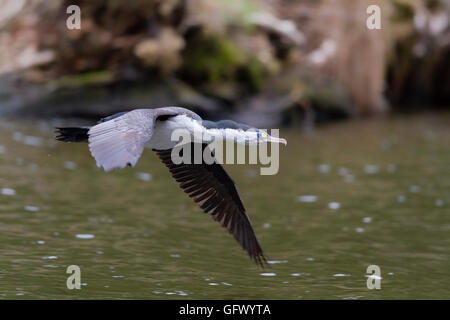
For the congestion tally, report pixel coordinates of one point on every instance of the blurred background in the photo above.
(365, 178)
(270, 63)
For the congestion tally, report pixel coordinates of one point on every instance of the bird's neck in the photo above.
(228, 135)
(203, 134)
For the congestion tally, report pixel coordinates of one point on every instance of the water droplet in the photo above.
(276, 261)
(8, 192)
(31, 208)
(353, 298)
(70, 165)
(310, 259)
(85, 236)
(50, 257)
(41, 242)
(401, 198)
(2, 149)
(439, 202)
(414, 189)
(342, 171)
(370, 169)
(100, 220)
(349, 178)
(267, 225)
(144, 176)
(268, 274)
(324, 168)
(341, 275)
(359, 230)
(307, 198)
(181, 293)
(32, 141)
(367, 220)
(176, 255)
(17, 136)
(374, 276)
(334, 205)
(213, 284)
(33, 167)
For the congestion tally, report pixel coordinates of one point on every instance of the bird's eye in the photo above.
(261, 135)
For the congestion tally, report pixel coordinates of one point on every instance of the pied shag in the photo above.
(118, 140)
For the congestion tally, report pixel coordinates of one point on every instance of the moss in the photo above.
(331, 97)
(211, 58)
(253, 74)
(402, 12)
(238, 12)
(83, 79)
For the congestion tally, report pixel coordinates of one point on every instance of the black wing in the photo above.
(210, 186)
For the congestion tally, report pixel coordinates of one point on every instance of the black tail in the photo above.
(74, 134)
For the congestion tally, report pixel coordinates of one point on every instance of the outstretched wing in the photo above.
(210, 186)
(118, 140)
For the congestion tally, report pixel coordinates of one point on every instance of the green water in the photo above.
(389, 178)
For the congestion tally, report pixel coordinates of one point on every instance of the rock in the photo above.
(162, 51)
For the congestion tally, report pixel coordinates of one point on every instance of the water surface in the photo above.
(348, 195)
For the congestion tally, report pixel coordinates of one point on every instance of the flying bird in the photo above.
(118, 140)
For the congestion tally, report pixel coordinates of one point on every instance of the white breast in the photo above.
(162, 132)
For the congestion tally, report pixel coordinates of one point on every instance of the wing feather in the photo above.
(118, 140)
(210, 186)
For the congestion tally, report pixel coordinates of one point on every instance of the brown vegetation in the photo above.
(276, 58)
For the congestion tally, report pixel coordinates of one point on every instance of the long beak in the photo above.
(277, 140)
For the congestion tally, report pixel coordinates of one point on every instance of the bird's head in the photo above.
(257, 136)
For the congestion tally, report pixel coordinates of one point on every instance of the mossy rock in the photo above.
(330, 98)
(80, 80)
(402, 12)
(253, 74)
(211, 58)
